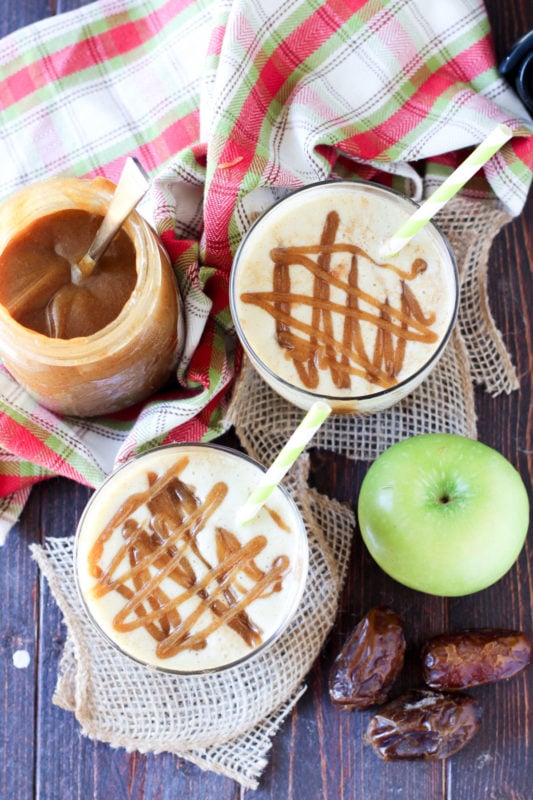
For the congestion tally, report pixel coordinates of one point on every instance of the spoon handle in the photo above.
(131, 187)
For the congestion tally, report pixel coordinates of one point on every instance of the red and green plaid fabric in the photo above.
(229, 103)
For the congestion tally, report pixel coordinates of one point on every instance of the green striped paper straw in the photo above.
(453, 184)
(305, 431)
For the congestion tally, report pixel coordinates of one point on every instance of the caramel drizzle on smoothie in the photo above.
(313, 346)
(165, 547)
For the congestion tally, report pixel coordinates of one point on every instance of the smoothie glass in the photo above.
(321, 316)
(168, 577)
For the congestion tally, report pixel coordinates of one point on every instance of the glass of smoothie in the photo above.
(84, 345)
(168, 576)
(322, 316)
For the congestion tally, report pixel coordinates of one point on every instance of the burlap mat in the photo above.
(225, 723)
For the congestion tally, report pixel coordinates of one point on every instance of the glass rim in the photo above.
(303, 549)
(339, 399)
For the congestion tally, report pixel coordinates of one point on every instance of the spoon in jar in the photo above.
(131, 188)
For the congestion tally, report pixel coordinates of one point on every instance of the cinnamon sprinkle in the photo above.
(228, 164)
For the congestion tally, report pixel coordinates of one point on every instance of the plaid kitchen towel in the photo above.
(225, 101)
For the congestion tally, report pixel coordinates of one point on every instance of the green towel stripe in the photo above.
(71, 38)
(452, 49)
(52, 441)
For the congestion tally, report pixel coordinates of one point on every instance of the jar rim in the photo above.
(87, 348)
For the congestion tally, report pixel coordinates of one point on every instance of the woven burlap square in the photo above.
(225, 722)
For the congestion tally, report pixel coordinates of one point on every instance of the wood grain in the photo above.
(319, 752)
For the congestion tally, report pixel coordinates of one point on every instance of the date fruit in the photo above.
(423, 725)
(474, 657)
(369, 662)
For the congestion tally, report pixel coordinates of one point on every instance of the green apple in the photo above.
(443, 514)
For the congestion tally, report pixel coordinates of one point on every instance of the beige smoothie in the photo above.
(321, 314)
(166, 573)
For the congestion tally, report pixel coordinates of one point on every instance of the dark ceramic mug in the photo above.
(517, 69)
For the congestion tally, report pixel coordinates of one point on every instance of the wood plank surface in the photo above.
(319, 751)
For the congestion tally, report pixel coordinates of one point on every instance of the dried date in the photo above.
(474, 657)
(423, 725)
(369, 661)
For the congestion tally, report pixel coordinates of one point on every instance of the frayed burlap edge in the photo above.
(222, 723)
(471, 227)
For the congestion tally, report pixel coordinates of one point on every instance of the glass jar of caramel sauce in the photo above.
(84, 345)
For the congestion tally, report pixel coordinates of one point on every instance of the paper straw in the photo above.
(305, 431)
(450, 187)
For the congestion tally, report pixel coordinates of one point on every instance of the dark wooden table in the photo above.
(319, 752)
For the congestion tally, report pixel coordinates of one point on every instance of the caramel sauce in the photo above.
(165, 547)
(278, 520)
(313, 346)
(42, 288)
